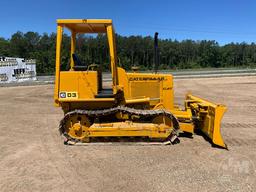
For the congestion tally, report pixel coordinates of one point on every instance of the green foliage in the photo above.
(4, 47)
(132, 51)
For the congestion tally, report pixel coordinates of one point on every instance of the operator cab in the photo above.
(84, 81)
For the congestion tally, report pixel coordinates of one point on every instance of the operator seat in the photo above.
(78, 65)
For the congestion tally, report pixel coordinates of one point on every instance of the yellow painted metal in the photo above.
(77, 26)
(75, 80)
(86, 25)
(87, 100)
(130, 129)
(113, 56)
(137, 100)
(138, 90)
(209, 116)
(157, 87)
(187, 127)
(77, 127)
(184, 114)
(82, 21)
(57, 68)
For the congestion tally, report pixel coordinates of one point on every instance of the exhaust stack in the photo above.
(156, 52)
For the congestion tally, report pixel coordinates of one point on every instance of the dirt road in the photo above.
(33, 157)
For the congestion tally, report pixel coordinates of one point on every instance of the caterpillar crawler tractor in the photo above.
(136, 104)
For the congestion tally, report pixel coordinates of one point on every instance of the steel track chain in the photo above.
(111, 111)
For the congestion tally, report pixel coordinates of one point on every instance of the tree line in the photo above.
(132, 51)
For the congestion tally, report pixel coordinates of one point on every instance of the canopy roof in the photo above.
(85, 25)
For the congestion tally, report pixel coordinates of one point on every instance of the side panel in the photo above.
(83, 83)
(157, 87)
(151, 89)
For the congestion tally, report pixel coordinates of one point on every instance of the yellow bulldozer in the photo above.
(135, 105)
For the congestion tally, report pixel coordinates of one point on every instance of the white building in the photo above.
(17, 69)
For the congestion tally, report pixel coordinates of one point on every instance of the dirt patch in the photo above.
(33, 157)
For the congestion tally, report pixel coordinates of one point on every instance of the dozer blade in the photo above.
(208, 117)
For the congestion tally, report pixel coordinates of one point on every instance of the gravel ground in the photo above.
(33, 157)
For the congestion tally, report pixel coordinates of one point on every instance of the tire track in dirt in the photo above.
(239, 125)
(245, 139)
(240, 142)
